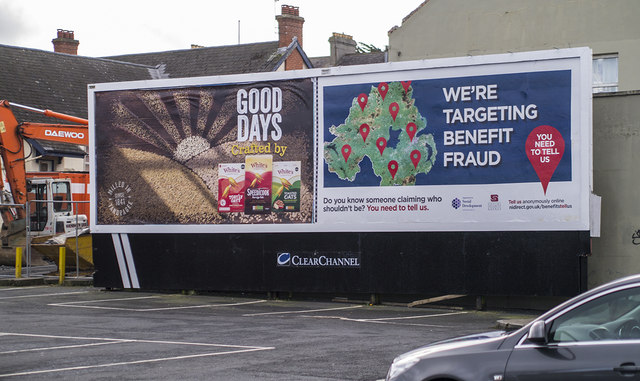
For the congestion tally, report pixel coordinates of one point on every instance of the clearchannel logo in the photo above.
(319, 260)
(284, 259)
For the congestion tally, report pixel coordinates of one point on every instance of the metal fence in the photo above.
(29, 233)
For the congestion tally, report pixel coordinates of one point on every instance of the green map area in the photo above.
(367, 132)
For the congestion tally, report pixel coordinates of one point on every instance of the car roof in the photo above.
(629, 280)
(621, 282)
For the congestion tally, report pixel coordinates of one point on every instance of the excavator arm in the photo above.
(12, 135)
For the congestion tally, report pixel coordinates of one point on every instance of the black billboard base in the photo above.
(550, 264)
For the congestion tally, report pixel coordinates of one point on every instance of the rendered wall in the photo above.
(616, 154)
(452, 28)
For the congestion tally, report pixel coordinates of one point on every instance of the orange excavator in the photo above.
(46, 197)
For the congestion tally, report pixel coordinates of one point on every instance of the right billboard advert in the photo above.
(492, 143)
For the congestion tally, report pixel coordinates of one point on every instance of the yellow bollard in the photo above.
(61, 264)
(18, 262)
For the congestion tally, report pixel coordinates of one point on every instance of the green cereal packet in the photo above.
(285, 192)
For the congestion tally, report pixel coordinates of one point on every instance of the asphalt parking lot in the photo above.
(91, 334)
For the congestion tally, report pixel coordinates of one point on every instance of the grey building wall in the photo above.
(616, 158)
(451, 28)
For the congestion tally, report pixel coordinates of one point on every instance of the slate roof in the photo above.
(216, 60)
(321, 61)
(351, 59)
(57, 81)
(363, 58)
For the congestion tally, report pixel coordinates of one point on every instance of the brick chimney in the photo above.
(65, 43)
(289, 25)
(340, 45)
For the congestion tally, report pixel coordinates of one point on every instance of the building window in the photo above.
(605, 73)
(45, 165)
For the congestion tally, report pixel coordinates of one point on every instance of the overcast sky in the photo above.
(114, 27)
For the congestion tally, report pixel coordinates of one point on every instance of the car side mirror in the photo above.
(538, 332)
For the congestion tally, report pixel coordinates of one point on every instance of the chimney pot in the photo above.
(340, 44)
(289, 25)
(65, 42)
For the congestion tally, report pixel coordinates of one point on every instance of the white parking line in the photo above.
(133, 362)
(80, 304)
(61, 347)
(40, 295)
(128, 340)
(22, 288)
(107, 300)
(417, 316)
(236, 349)
(392, 320)
(300, 312)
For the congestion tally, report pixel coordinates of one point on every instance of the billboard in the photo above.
(206, 155)
(488, 143)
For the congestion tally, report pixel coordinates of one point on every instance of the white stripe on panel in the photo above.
(121, 262)
(128, 254)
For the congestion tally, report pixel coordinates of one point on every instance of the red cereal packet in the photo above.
(231, 187)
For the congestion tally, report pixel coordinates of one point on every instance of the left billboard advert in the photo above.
(208, 155)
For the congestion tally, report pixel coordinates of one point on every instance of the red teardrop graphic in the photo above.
(405, 85)
(411, 130)
(415, 158)
(393, 109)
(381, 143)
(346, 151)
(544, 147)
(362, 100)
(364, 131)
(382, 89)
(393, 168)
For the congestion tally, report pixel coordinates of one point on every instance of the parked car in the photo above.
(594, 336)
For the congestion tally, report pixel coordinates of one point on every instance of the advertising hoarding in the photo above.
(205, 155)
(491, 143)
(490, 147)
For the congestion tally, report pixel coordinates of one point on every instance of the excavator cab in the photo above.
(51, 209)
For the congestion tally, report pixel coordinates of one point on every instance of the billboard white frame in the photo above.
(576, 60)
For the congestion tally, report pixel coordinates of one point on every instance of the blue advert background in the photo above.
(550, 91)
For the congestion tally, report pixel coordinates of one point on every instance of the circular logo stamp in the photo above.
(120, 198)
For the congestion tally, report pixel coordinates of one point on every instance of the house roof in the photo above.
(216, 60)
(57, 81)
(363, 58)
(321, 61)
(351, 59)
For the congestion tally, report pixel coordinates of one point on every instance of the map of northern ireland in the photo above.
(386, 127)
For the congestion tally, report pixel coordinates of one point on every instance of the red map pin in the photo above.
(393, 109)
(415, 158)
(411, 130)
(381, 143)
(362, 100)
(405, 85)
(364, 131)
(346, 151)
(393, 168)
(545, 147)
(382, 89)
